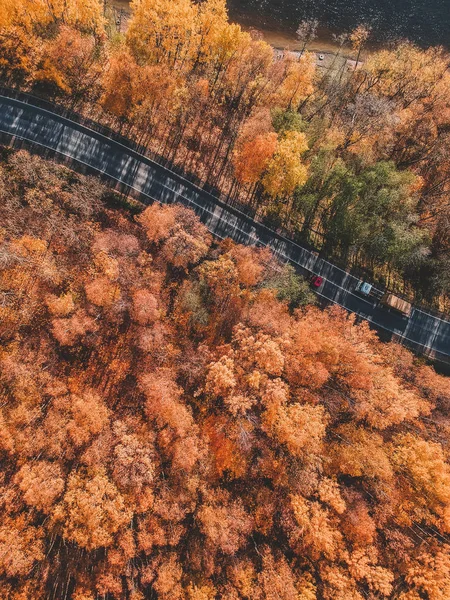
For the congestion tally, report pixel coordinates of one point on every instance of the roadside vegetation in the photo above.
(177, 422)
(353, 160)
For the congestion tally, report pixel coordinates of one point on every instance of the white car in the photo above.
(364, 288)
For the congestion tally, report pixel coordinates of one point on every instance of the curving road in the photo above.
(23, 123)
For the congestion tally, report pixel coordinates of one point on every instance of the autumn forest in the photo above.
(352, 159)
(179, 420)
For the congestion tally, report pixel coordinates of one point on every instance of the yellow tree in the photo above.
(162, 31)
(406, 74)
(212, 20)
(286, 171)
(86, 15)
(295, 77)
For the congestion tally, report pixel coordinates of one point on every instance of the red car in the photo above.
(316, 281)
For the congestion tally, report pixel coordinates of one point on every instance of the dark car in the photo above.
(316, 281)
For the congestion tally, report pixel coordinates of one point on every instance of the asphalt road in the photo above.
(51, 134)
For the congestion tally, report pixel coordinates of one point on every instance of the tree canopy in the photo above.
(178, 421)
(303, 148)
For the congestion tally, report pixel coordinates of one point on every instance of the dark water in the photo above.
(425, 22)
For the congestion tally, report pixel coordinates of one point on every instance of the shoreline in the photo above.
(278, 38)
(286, 39)
(281, 40)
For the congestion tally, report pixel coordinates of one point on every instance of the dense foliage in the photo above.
(352, 158)
(172, 429)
